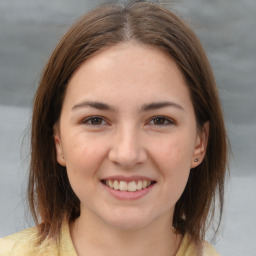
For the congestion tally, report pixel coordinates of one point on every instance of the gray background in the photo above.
(29, 31)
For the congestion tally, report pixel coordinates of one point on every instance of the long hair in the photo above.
(50, 195)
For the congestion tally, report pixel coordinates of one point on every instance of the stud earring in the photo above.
(196, 160)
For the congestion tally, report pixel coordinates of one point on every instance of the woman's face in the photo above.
(128, 137)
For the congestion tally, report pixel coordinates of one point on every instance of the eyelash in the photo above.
(164, 121)
(89, 120)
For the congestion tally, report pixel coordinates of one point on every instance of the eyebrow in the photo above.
(158, 105)
(144, 108)
(94, 104)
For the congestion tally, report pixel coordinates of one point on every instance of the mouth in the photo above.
(131, 186)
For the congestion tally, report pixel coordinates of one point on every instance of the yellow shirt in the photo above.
(24, 243)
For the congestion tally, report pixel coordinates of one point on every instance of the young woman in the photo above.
(128, 146)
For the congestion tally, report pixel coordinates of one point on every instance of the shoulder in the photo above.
(19, 240)
(188, 248)
(208, 250)
(24, 243)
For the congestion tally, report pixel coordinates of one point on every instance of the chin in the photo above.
(128, 225)
(128, 220)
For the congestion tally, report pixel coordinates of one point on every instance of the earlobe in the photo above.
(58, 147)
(201, 145)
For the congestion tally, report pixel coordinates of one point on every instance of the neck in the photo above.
(97, 239)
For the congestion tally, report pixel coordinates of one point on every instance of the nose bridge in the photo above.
(127, 147)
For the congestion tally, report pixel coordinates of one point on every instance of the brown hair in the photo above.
(50, 195)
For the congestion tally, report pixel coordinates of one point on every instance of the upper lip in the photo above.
(126, 178)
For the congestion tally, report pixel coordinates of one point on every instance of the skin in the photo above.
(128, 138)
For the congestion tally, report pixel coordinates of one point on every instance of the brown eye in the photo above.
(94, 121)
(161, 121)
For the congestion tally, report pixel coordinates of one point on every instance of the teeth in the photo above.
(131, 186)
(144, 184)
(123, 186)
(116, 185)
(110, 183)
(139, 185)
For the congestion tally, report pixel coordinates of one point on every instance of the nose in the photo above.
(127, 149)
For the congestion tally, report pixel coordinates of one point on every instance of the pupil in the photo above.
(159, 120)
(96, 120)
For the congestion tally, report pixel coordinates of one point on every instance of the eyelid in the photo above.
(89, 118)
(168, 119)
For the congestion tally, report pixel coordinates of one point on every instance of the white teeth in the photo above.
(116, 185)
(123, 186)
(110, 183)
(131, 186)
(139, 185)
(144, 184)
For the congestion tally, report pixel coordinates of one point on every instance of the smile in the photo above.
(131, 186)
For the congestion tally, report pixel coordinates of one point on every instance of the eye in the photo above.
(95, 121)
(161, 121)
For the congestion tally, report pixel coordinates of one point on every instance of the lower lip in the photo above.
(126, 195)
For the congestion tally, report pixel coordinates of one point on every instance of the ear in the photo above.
(58, 146)
(201, 145)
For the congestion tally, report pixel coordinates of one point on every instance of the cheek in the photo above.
(176, 150)
(173, 159)
(83, 155)
(83, 158)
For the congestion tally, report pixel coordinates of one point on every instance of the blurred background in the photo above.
(30, 30)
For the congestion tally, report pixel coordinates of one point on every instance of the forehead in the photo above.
(128, 69)
(131, 57)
